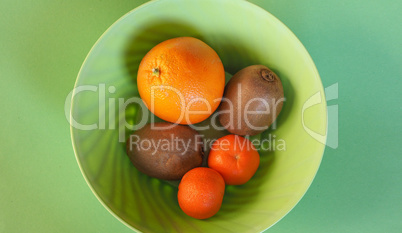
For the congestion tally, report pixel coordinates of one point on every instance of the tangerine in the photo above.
(201, 192)
(235, 158)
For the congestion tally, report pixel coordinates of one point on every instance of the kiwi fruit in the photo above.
(253, 99)
(164, 150)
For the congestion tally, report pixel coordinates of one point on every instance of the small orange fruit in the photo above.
(181, 80)
(235, 158)
(201, 192)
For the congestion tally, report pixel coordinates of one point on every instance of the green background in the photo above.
(357, 44)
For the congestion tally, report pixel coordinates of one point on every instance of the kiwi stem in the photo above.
(155, 71)
(267, 75)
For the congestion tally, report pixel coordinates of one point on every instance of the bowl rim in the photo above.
(252, 5)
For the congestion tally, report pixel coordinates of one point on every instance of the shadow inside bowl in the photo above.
(289, 94)
(237, 198)
(234, 55)
(143, 40)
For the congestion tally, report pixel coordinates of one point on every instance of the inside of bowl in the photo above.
(242, 34)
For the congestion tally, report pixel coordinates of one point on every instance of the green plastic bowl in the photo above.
(242, 34)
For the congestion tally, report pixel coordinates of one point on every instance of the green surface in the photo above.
(150, 205)
(356, 44)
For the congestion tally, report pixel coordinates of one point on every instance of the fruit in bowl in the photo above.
(170, 77)
(235, 158)
(242, 35)
(152, 152)
(253, 100)
(201, 192)
(177, 79)
(181, 80)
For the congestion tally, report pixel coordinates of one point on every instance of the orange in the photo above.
(201, 192)
(235, 158)
(181, 80)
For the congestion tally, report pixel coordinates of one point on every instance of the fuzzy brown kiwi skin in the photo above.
(256, 81)
(170, 164)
